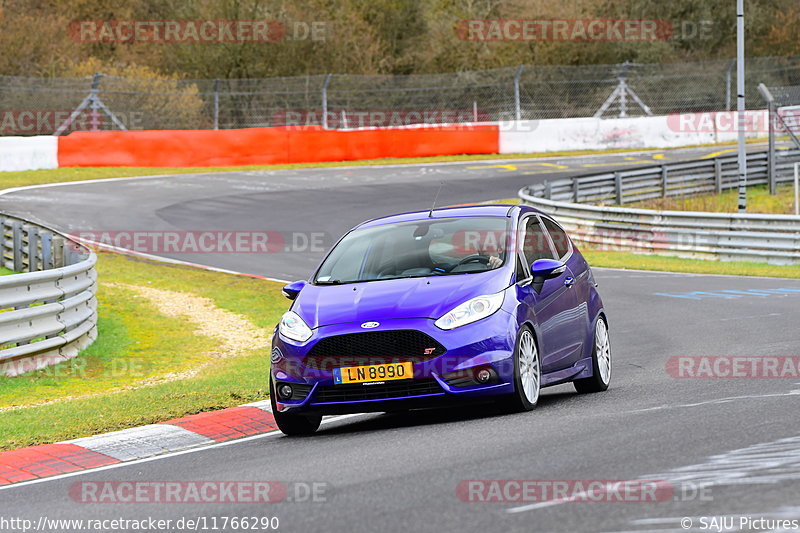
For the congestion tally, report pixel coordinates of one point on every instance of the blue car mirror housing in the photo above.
(291, 290)
(544, 269)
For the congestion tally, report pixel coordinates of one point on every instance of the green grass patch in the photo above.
(633, 261)
(759, 200)
(101, 389)
(5, 271)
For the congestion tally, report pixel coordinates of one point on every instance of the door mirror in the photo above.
(544, 269)
(293, 289)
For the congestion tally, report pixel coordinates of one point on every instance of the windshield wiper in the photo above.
(328, 282)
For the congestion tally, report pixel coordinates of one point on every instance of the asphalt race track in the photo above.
(727, 446)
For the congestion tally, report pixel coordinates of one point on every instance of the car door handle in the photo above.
(570, 281)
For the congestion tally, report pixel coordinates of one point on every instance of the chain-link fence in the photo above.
(30, 106)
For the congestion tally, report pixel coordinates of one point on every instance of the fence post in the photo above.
(618, 186)
(717, 175)
(576, 187)
(58, 251)
(325, 101)
(47, 250)
(33, 249)
(771, 116)
(2, 240)
(94, 105)
(517, 106)
(771, 149)
(16, 246)
(664, 177)
(216, 104)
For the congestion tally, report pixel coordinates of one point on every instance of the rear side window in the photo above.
(535, 246)
(560, 239)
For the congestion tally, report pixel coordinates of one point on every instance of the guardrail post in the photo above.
(2, 240)
(47, 250)
(16, 246)
(664, 177)
(33, 249)
(58, 251)
(576, 189)
(618, 187)
(717, 175)
(548, 190)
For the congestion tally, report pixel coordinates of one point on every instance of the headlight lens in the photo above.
(293, 327)
(470, 311)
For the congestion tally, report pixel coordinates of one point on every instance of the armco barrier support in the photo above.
(262, 146)
(49, 313)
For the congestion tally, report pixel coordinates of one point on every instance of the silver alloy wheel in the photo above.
(529, 370)
(602, 347)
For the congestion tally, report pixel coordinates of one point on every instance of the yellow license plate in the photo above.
(365, 374)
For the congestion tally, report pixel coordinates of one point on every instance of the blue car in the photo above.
(422, 309)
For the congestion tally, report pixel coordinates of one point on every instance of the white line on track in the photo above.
(795, 392)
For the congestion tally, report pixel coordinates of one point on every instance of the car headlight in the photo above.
(293, 327)
(470, 311)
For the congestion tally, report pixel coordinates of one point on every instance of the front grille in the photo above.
(372, 348)
(357, 391)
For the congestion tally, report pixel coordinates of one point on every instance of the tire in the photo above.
(293, 425)
(527, 373)
(601, 361)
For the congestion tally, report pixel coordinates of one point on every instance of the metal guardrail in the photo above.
(48, 313)
(723, 236)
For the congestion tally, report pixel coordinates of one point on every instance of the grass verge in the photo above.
(106, 387)
(5, 272)
(759, 200)
(633, 261)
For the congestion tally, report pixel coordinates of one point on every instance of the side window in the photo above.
(560, 239)
(535, 246)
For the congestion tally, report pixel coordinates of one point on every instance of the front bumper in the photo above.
(441, 380)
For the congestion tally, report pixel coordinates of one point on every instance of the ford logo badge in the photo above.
(370, 325)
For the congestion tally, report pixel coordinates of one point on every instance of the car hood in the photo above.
(428, 297)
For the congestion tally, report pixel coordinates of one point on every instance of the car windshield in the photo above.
(429, 247)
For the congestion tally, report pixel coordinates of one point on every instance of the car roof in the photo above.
(494, 210)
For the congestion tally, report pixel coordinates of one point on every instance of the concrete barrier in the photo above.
(666, 131)
(28, 153)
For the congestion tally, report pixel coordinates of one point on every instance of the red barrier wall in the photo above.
(263, 146)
